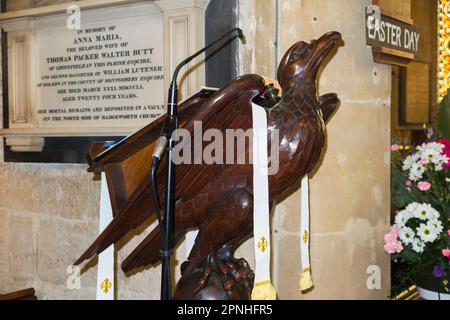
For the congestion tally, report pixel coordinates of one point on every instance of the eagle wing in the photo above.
(227, 109)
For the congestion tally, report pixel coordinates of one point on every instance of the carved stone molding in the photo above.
(184, 25)
(19, 75)
(25, 144)
(167, 5)
(53, 9)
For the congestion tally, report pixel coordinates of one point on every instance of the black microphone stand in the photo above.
(165, 144)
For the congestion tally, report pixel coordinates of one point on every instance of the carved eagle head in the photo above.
(302, 61)
(297, 74)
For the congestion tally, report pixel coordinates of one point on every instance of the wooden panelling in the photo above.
(27, 294)
(417, 104)
(424, 14)
(398, 9)
(392, 56)
(418, 85)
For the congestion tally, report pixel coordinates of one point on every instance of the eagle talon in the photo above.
(234, 272)
(231, 272)
(201, 284)
(224, 271)
(240, 273)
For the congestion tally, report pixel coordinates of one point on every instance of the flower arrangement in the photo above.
(420, 236)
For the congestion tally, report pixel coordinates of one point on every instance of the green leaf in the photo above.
(443, 117)
(410, 256)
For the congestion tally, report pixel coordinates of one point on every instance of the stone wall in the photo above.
(48, 217)
(48, 213)
(350, 192)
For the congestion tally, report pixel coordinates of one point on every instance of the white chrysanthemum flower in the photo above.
(402, 217)
(427, 233)
(412, 207)
(416, 172)
(433, 152)
(422, 215)
(425, 212)
(436, 226)
(406, 235)
(439, 162)
(430, 148)
(418, 246)
(410, 160)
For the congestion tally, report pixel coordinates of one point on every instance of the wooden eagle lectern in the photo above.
(217, 198)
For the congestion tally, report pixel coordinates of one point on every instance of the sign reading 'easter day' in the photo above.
(387, 32)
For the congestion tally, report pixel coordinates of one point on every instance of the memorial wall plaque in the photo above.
(107, 74)
(107, 78)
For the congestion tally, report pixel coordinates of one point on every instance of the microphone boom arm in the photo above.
(165, 144)
(239, 34)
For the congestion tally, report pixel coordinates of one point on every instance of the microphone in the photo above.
(159, 148)
(241, 36)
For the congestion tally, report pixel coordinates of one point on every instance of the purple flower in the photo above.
(438, 272)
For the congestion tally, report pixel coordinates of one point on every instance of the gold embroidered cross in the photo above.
(305, 236)
(262, 244)
(105, 285)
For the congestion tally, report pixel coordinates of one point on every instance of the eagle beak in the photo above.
(323, 46)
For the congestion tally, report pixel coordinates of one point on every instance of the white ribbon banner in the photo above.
(261, 212)
(105, 272)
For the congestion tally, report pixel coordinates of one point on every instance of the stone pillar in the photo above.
(350, 190)
(21, 90)
(184, 23)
